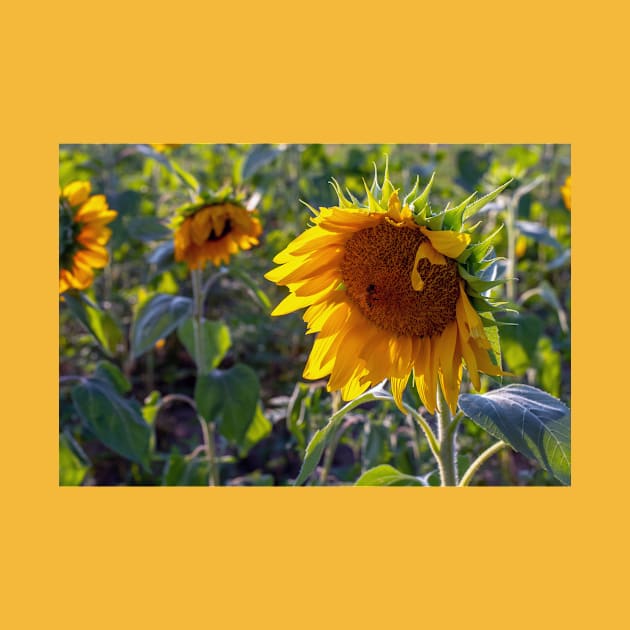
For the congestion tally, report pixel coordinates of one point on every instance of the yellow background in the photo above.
(314, 558)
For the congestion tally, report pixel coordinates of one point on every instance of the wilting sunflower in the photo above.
(566, 193)
(82, 235)
(213, 229)
(390, 289)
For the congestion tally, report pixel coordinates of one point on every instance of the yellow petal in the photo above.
(96, 258)
(447, 242)
(425, 250)
(95, 209)
(77, 192)
(398, 388)
(200, 226)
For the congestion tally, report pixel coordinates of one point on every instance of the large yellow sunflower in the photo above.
(82, 235)
(214, 231)
(390, 290)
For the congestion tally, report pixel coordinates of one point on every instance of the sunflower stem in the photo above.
(424, 425)
(207, 428)
(334, 442)
(476, 465)
(447, 459)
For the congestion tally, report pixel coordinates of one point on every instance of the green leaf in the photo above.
(229, 398)
(72, 466)
(321, 438)
(386, 475)
(530, 420)
(156, 318)
(259, 429)
(259, 156)
(100, 324)
(216, 342)
(110, 373)
(115, 421)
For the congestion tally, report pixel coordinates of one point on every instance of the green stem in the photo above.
(424, 425)
(332, 447)
(512, 206)
(476, 465)
(207, 428)
(447, 460)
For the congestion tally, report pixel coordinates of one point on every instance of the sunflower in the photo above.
(566, 192)
(390, 289)
(82, 235)
(213, 229)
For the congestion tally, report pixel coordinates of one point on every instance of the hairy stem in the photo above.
(476, 465)
(446, 436)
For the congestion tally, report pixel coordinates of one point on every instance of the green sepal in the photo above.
(412, 192)
(343, 202)
(388, 189)
(453, 217)
(421, 200)
(479, 250)
(373, 205)
(480, 203)
(375, 189)
(435, 222)
(479, 287)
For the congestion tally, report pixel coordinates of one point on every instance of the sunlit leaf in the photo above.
(386, 475)
(531, 421)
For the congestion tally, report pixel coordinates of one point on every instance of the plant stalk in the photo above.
(207, 427)
(447, 460)
(476, 465)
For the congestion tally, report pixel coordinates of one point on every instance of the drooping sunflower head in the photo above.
(565, 190)
(393, 289)
(82, 235)
(214, 228)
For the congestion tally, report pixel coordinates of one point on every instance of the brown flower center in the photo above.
(214, 236)
(376, 270)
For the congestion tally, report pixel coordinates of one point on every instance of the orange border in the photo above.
(480, 558)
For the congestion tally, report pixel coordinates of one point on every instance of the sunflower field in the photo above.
(272, 315)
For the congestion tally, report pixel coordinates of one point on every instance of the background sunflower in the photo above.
(82, 235)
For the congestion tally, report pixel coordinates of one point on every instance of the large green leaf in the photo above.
(99, 323)
(216, 342)
(115, 421)
(322, 437)
(229, 398)
(386, 475)
(110, 373)
(531, 421)
(158, 317)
